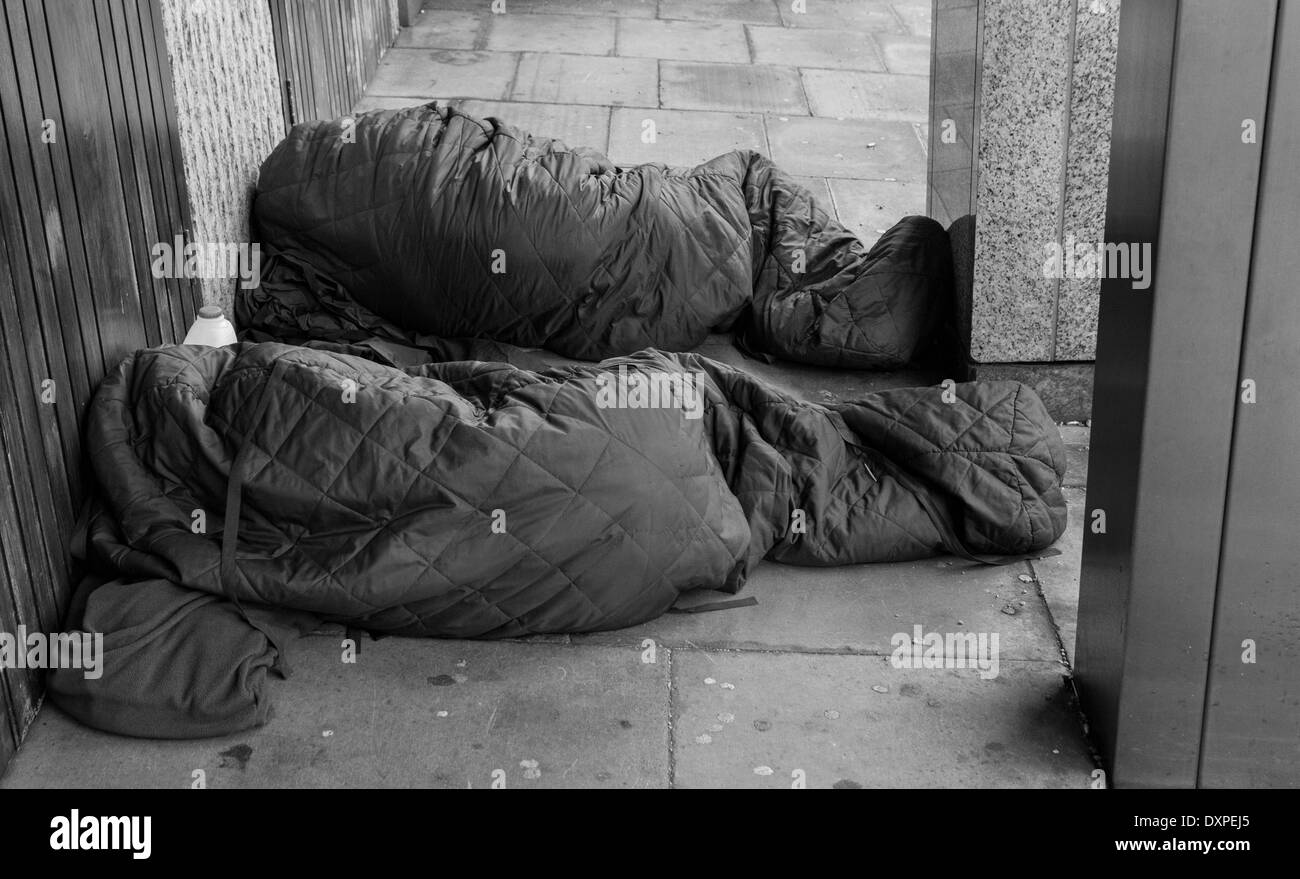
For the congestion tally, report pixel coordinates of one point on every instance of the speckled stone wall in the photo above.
(228, 111)
(1044, 84)
(1087, 168)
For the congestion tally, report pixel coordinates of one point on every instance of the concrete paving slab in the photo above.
(748, 11)
(905, 54)
(682, 137)
(917, 17)
(815, 47)
(603, 8)
(575, 124)
(577, 34)
(820, 190)
(1058, 576)
(443, 74)
(818, 147)
(750, 89)
(860, 609)
(408, 713)
(584, 79)
(719, 41)
(769, 721)
(1077, 438)
(858, 15)
(848, 94)
(443, 29)
(869, 207)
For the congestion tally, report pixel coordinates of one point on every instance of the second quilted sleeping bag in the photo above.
(454, 226)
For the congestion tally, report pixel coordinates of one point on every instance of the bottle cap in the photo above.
(210, 312)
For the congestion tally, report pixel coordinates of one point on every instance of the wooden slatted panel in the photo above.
(167, 132)
(326, 51)
(80, 216)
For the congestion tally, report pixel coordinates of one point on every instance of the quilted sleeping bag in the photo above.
(472, 499)
(476, 499)
(453, 226)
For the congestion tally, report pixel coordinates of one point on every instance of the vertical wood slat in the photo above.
(59, 332)
(32, 436)
(8, 738)
(80, 216)
(96, 179)
(169, 144)
(17, 601)
(304, 84)
(151, 185)
(326, 53)
(128, 178)
(58, 210)
(332, 34)
(281, 59)
(31, 440)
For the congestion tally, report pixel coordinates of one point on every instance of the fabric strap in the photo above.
(230, 527)
(710, 606)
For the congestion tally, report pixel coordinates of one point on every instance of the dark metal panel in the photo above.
(1144, 66)
(1166, 372)
(954, 99)
(1252, 723)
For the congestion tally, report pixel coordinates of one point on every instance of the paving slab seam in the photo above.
(1076, 703)
(480, 36)
(749, 43)
(672, 734)
(767, 140)
(880, 54)
(803, 90)
(925, 147)
(460, 98)
(882, 655)
(1094, 751)
(588, 55)
(1056, 627)
(514, 77)
(671, 644)
(898, 18)
(765, 114)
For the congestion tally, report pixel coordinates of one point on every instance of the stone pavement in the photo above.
(837, 95)
(797, 690)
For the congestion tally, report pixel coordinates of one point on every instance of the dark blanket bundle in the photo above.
(451, 226)
(473, 499)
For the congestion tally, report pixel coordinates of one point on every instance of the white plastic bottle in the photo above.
(211, 328)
